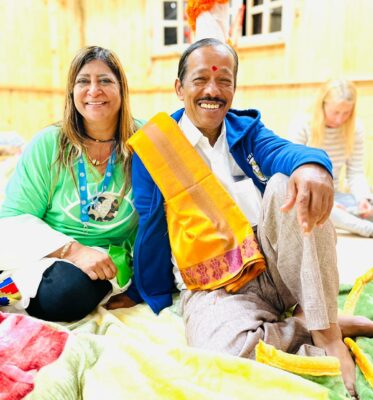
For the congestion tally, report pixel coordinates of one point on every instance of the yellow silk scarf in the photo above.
(212, 241)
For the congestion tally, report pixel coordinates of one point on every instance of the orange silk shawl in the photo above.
(212, 241)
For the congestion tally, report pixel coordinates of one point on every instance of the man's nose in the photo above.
(212, 88)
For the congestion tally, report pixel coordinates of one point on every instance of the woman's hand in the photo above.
(96, 264)
(365, 208)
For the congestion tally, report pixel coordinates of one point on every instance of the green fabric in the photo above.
(344, 290)
(121, 257)
(363, 387)
(364, 305)
(335, 385)
(38, 189)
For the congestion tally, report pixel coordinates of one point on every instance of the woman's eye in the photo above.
(105, 81)
(82, 81)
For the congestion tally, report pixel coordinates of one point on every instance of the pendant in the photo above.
(95, 162)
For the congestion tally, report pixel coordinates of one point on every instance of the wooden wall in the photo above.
(38, 38)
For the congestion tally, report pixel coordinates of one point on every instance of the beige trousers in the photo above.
(300, 269)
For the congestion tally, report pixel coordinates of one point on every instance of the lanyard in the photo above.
(83, 187)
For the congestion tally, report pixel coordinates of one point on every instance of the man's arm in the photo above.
(310, 170)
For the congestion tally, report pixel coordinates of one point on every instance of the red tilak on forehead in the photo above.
(214, 68)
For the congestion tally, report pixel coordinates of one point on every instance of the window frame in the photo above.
(264, 39)
(180, 23)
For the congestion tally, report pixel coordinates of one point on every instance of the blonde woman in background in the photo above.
(332, 126)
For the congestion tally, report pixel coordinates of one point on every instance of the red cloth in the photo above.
(26, 345)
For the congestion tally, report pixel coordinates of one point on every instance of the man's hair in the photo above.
(209, 42)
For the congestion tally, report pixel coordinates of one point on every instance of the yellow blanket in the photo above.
(134, 354)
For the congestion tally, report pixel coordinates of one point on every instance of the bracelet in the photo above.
(65, 249)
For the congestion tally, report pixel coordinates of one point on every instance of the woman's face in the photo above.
(337, 113)
(97, 96)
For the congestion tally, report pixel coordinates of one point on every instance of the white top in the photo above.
(224, 167)
(27, 264)
(300, 132)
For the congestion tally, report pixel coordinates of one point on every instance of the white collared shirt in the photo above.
(221, 162)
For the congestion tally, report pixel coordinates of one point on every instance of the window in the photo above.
(260, 17)
(262, 22)
(174, 24)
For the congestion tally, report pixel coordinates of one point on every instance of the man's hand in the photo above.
(311, 190)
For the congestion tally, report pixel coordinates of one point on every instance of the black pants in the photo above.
(66, 294)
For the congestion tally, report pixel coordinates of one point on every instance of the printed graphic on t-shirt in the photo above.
(106, 211)
(104, 207)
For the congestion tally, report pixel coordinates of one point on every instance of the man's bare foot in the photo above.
(331, 341)
(355, 325)
(120, 300)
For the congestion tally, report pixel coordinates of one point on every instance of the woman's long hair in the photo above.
(72, 128)
(334, 91)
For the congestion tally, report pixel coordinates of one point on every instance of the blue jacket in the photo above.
(259, 153)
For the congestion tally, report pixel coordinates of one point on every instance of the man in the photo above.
(232, 312)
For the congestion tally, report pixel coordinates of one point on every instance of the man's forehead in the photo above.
(204, 58)
(213, 68)
(215, 50)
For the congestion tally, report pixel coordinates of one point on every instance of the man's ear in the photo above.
(179, 89)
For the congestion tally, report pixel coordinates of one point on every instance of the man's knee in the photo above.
(277, 187)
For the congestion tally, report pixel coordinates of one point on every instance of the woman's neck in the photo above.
(100, 133)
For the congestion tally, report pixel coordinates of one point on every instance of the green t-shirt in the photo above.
(39, 188)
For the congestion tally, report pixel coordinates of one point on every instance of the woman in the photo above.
(333, 127)
(70, 198)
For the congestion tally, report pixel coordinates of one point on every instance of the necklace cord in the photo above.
(100, 140)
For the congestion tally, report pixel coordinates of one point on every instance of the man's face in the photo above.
(208, 88)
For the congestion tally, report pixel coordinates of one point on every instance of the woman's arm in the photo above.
(356, 179)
